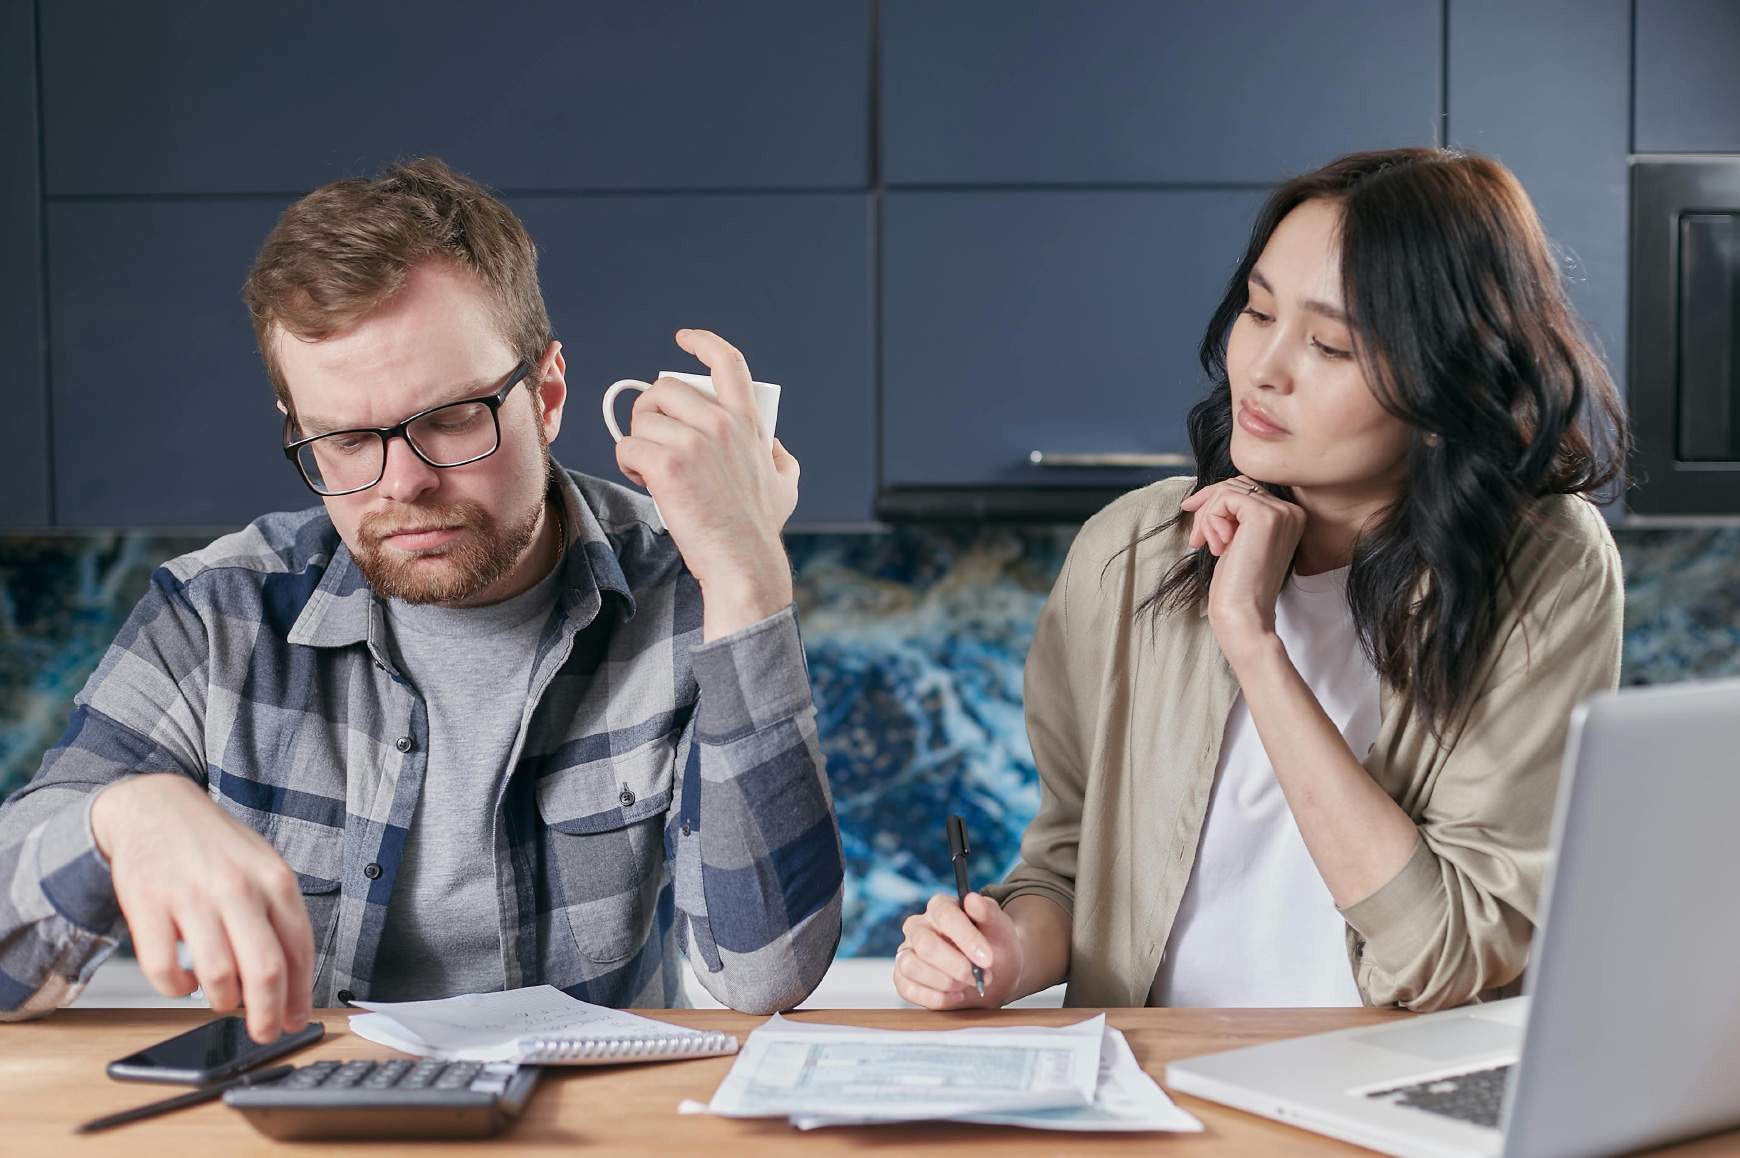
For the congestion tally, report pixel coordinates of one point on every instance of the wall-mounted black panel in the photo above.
(1708, 304)
(1062, 322)
(1543, 87)
(212, 96)
(1688, 79)
(1038, 92)
(23, 387)
(1685, 336)
(164, 415)
(784, 277)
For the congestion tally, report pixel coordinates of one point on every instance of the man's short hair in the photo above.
(347, 248)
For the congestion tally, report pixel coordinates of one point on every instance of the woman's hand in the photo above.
(1254, 535)
(934, 968)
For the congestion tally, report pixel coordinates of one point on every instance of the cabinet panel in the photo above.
(175, 421)
(211, 96)
(23, 388)
(1543, 88)
(165, 416)
(1688, 88)
(1031, 91)
(784, 277)
(1064, 322)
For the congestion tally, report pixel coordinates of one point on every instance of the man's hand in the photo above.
(184, 869)
(724, 496)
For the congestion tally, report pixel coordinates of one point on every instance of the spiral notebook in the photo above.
(537, 1025)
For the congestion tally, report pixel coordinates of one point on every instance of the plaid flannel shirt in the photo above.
(660, 785)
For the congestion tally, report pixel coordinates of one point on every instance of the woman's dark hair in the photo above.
(1463, 330)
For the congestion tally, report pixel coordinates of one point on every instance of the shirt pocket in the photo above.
(604, 848)
(321, 899)
(315, 853)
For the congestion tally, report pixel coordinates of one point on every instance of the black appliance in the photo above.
(1685, 335)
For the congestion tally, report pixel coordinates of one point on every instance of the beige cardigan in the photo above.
(1126, 714)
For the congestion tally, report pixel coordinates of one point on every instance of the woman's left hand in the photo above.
(1254, 535)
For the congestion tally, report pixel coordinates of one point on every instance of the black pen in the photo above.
(203, 1094)
(958, 854)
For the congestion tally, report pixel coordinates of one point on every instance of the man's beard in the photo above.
(470, 564)
(475, 562)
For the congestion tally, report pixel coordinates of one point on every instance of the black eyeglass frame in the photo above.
(400, 430)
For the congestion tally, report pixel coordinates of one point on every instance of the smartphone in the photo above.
(221, 1049)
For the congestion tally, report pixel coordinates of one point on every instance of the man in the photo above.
(474, 722)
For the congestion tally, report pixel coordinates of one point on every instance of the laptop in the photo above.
(1629, 1035)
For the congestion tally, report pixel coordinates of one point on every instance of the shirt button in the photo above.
(627, 796)
(404, 744)
(372, 871)
(685, 826)
(345, 997)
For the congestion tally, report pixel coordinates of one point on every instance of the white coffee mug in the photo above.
(766, 396)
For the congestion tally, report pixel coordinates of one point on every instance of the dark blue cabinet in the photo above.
(213, 96)
(784, 277)
(164, 414)
(174, 135)
(1542, 87)
(1016, 250)
(169, 420)
(1117, 91)
(23, 399)
(1688, 76)
(1030, 303)
(1063, 322)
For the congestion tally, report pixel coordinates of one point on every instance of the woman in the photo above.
(1298, 721)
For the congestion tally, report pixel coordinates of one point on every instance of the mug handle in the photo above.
(610, 403)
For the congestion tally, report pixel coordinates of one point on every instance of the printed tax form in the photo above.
(1077, 1077)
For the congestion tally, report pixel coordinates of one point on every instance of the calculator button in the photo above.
(457, 1076)
(308, 1076)
(494, 1078)
(420, 1075)
(386, 1075)
(348, 1075)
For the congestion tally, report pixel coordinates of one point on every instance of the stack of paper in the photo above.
(536, 1024)
(1078, 1077)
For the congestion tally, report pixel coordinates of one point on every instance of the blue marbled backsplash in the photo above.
(916, 639)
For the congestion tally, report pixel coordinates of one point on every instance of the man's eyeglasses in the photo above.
(452, 434)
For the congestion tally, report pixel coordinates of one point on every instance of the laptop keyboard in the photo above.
(1475, 1097)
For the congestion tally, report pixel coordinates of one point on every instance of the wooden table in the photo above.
(51, 1078)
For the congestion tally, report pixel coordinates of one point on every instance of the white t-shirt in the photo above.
(1256, 925)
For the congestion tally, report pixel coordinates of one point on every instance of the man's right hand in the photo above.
(183, 869)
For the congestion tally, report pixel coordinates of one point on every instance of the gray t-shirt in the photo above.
(473, 666)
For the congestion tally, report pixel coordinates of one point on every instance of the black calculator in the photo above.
(402, 1098)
